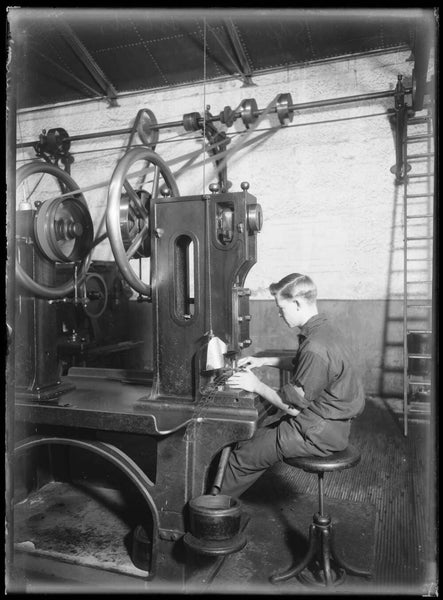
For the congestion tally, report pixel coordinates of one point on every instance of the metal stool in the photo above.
(332, 570)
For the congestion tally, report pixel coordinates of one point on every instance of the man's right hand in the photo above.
(292, 411)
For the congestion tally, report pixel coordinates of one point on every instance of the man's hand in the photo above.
(252, 362)
(244, 380)
(292, 411)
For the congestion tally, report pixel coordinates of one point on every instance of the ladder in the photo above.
(418, 225)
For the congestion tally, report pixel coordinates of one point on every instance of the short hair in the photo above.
(293, 286)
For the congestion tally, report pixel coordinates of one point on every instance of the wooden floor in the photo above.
(395, 479)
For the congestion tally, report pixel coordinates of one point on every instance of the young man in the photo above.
(324, 394)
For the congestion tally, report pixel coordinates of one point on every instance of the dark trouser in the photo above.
(304, 435)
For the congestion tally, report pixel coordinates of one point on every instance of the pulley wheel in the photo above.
(284, 101)
(248, 109)
(61, 228)
(97, 295)
(127, 213)
(191, 121)
(57, 142)
(146, 128)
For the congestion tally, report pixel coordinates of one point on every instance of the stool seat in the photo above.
(337, 461)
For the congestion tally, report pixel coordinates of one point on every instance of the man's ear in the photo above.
(297, 302)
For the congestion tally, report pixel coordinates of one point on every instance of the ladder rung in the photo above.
(420, 383)
(419, 120)
(419, 304)
(419, 195)
(418, 282)
(422, 410)
(420, 237)
(416, 176)
(419, 216)
(419, 259)
(419, 331)
(414, 120)
(426, 356)
(424, 155)
(416, 138)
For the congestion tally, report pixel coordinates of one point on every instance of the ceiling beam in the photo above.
(242, 59)
(86, 59)
(238, 68)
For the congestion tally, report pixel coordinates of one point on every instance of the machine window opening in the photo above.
(184, 274)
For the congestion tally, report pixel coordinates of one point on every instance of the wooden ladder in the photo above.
(418, 226)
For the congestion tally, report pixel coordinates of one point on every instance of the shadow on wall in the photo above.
(391, 372)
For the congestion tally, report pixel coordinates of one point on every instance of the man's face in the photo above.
(289, 310)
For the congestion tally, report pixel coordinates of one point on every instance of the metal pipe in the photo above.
(292, 107)
(218, 481)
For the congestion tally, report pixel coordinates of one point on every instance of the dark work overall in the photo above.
(333, 397)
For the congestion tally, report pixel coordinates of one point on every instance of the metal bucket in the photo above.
(214, 518)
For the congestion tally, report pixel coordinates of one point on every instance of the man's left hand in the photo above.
(244, 380)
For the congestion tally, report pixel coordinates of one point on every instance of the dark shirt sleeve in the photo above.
(312, 374)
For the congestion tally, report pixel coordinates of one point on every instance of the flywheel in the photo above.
(138, 177)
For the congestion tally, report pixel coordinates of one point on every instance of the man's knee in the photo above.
(257, 453)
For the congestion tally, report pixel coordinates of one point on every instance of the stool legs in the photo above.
(321, 546)
(326, 554)
(298, 568)
(344, 565)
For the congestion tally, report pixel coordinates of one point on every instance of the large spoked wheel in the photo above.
(139, 176)
(61, 228)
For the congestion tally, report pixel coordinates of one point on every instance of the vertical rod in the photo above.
(208, 259)
(405, 282)
(204, 105)
(320, 493)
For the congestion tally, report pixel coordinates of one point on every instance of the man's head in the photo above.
(296, 298)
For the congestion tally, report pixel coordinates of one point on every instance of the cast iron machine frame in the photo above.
(182, 407)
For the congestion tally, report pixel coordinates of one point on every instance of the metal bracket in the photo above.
(170, 535)
(218, 141)
(399, 117)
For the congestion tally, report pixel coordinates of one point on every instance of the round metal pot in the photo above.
(214, 517)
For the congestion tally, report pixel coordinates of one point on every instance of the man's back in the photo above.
(325, 370)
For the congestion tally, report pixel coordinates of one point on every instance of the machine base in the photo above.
(215, 547)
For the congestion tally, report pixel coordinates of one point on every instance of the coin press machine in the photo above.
(201, 248)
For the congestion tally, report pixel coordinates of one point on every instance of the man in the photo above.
(324, 394)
